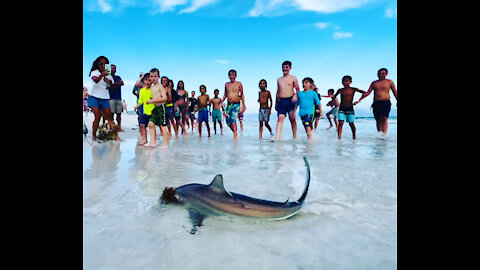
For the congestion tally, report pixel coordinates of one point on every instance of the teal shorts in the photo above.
(346, 114)
(216, 115)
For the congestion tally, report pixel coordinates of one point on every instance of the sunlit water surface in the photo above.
(348, 221)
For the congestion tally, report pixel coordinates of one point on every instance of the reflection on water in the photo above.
(351, 202)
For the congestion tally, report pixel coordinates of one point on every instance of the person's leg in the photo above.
(329, 120)
(221, 127)
(96, 121)
(293, 122)
(352, 126)
(233, 127)
(268, 127)
(165, 137)
(143, 135)
(309, 133)
(119, 121)
(260, 129)
(281, 118)
(340, 128)
(382, 124)
(208, 128)
(153, 135)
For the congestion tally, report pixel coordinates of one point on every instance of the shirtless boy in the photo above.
(216, 114)
(381, 99)
(159, 114)
(265, 110)
(334, 104)
(234, 93)
(346, 112)
(203, 102)
(286, 98)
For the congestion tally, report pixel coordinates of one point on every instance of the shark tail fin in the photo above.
(304, 195)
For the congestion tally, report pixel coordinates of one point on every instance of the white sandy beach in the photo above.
(129, 124)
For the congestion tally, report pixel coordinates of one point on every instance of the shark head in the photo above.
(170, 195)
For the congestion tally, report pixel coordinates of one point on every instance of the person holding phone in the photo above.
(99, 97)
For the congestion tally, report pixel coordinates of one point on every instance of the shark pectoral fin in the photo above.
(217, 186)
(196, 217)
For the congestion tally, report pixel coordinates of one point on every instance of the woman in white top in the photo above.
(98, 99)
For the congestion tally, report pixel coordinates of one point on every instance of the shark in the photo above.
(203, 200)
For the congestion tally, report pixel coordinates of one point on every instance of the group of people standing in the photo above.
(159, 104)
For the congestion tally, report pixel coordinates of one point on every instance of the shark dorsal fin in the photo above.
(217, 185)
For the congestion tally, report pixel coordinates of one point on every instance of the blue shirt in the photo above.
(307, 101)
(117, 92)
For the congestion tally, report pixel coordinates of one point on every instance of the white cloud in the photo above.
(168, 5)
(224, 62)
(279, 7)
(338, 35)
(196, 4)
(104, 6)
(322, 25)
(391, 12)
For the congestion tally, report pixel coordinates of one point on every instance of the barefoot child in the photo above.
(286, 99)
(265, 110)
(307, 99)
(143, 108)
(159, 113)
(346, 112)
(334, 111)
(216, 113)
(234, 93)
(203, 102)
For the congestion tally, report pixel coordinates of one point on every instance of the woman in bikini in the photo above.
(182, 103)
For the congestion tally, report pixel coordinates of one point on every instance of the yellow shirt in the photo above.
(145, 95)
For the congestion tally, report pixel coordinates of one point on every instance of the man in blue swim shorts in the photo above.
(381, 99)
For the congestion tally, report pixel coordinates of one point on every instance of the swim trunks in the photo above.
(381, 108)
(170, 112)
(144, 118)
(159, 116)
(216, 115)
(333, 111)
(307, 120)
(232, 111)
(346, 113)
(263, 115)
(285, 105)
(203, 115)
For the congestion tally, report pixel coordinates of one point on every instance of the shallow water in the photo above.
(348, 221)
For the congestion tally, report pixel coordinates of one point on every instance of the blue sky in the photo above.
(198, 41)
